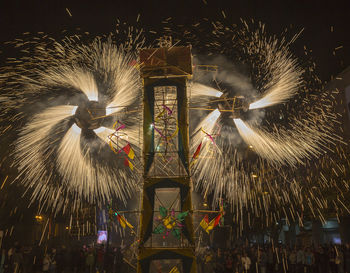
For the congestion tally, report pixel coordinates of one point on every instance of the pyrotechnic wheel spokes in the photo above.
(73, 139)
(235, 119)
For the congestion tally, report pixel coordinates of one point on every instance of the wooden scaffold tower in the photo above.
(166, 226)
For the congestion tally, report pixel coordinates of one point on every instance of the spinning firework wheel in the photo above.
(75, 134)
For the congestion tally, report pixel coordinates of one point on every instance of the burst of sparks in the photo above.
(261, 187)
(246, 164)
(281, 147)
(57, 160)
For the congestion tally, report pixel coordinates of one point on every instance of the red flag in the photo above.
(123, 222)
(129, 151)
(213, 223)
(217, 220)
(196, 153)
(208, 226)
(128, 163)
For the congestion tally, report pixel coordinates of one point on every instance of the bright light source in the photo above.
(109, 111)
(38, 218)
(76, 128)
(99, 130)
(74, 110)
(92, 96)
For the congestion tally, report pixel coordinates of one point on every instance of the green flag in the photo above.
(181, 216)
(163, 211)
(159, 229)
(176, 233)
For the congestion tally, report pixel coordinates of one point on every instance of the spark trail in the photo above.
(282, 147)
(60, 157)
(263, 162)
(288, 127)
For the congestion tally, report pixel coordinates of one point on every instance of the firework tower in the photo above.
(166, 201)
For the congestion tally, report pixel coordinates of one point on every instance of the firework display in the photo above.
(270, 121)
(258, 122)
(68, 108)
(264, 117)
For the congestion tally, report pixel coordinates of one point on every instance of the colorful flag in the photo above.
(128, 163)
(174, 270)
(208, 226)
(123, 222)
(176, 233)
(129, 151)
(159, 229)
(163, 211)
(181, 216)
(213, 223)
(217, 220)
(205, 222)
(196, 153)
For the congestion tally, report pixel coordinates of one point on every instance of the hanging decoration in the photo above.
(116, 139)
(113, 214)
(195, 156)
(166, 116)
(174, 270)
(209, 226)
(169, 223)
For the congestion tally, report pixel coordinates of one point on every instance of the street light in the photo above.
(39, 218)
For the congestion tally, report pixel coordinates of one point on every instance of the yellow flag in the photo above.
(129, 151)
(213, 223)
(208, 226)
(174, 270)
(128, 163)
(123, 222)
(204, 223)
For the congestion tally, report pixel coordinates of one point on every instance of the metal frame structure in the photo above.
(164, 73)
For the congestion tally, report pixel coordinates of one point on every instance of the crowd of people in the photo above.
(85, 259)
(269, 259)
(252, 259)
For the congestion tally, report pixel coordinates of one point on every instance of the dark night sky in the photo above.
(99, 17)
